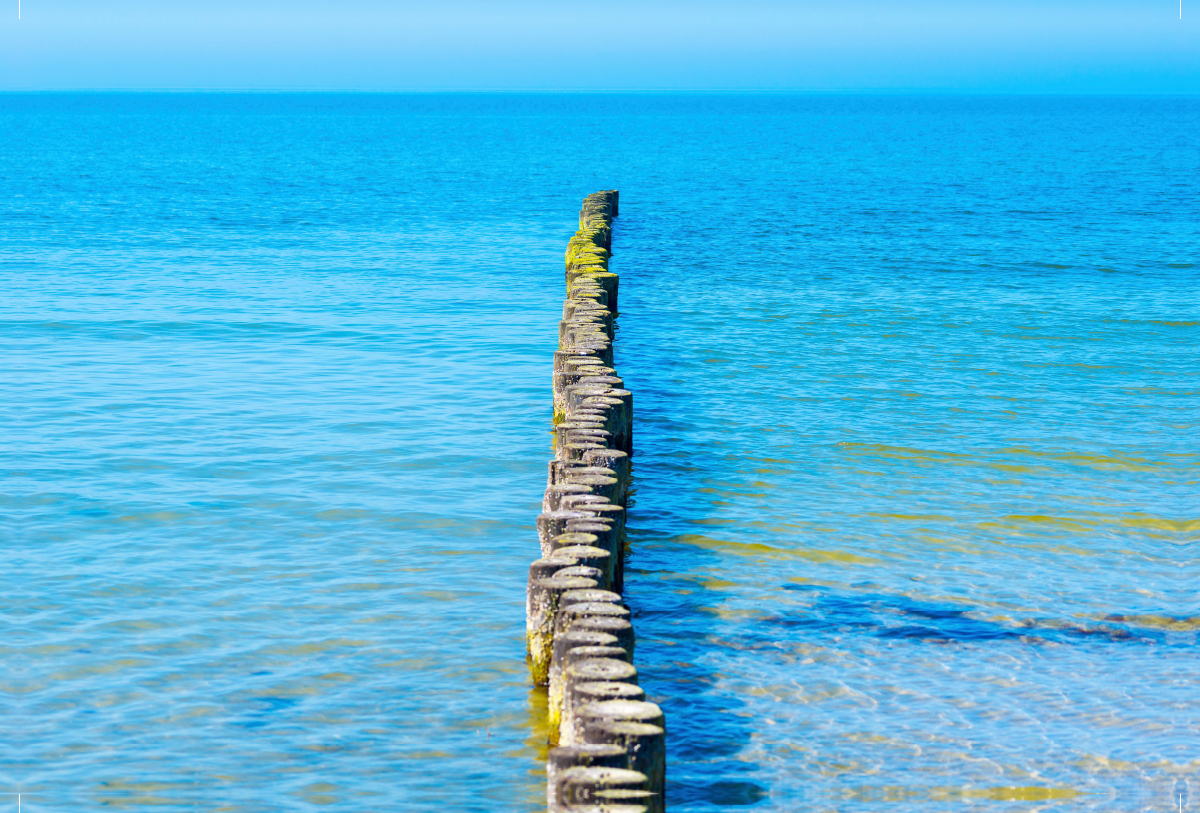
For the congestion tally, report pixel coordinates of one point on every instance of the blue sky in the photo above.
(1055, 46)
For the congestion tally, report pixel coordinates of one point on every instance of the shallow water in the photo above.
(916, 385)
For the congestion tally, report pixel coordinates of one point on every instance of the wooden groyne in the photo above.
(610, 752)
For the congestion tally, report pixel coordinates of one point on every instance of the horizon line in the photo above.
(611, 91)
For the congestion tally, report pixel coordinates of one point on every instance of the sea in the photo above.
(917, 397)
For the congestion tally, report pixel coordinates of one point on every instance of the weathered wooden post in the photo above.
(600, 789)
(644, 745)
(541, 606)
(636, 725)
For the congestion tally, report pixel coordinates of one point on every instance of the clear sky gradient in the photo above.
(1022, 46)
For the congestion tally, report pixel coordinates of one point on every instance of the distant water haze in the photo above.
(1063, 46)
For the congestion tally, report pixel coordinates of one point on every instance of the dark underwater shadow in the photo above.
(882, 615)
(706, 725)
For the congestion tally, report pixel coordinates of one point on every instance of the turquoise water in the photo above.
(916, 384)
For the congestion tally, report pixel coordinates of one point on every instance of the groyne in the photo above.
(609, 752)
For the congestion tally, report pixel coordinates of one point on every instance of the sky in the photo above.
(972, 46)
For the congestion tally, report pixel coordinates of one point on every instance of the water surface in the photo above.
(916, 385)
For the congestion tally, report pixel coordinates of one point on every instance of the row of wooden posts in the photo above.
(610, 752)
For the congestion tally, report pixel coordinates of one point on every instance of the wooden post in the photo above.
(545, 568)
(564, 643)
(580, 756)
(620, 722)
(552, 523)
(597, 559)
(570, 613)
(609, 624)
(644, 745)
(594, 670)
(541, 605)
(599, 789)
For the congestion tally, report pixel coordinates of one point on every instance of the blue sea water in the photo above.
(917, 390)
